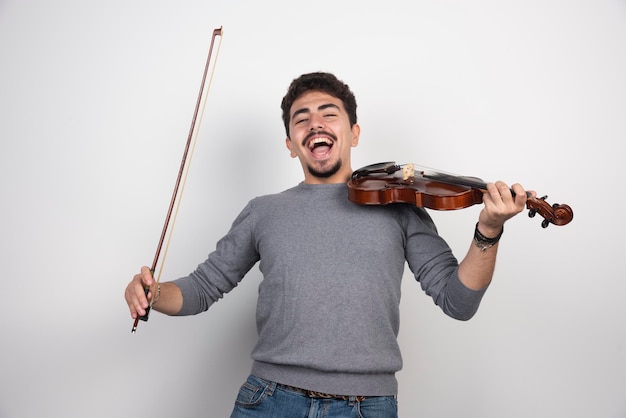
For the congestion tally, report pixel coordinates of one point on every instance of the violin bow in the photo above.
(170, 218)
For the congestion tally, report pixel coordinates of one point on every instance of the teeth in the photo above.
(316, 141)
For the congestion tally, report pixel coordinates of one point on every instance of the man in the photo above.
(328, 307)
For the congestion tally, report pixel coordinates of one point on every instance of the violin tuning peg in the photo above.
(545, 223)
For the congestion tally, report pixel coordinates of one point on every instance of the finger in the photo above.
(496, 195)
(135, 294)
(520, 195)
(146, 276)
(492, 192)
(134, 301)
(504, 192)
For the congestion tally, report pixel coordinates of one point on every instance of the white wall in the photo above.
(95, 102)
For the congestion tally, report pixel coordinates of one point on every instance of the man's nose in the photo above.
(316, 122)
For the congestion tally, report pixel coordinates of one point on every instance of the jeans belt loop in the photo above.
(271, 387)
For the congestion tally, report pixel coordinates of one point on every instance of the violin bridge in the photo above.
(408, 171)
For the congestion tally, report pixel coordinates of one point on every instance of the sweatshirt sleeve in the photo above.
(436, 269)
(234, 256)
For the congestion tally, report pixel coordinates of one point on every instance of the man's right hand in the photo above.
(135, 293)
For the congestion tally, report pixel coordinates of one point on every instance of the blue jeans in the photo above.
(259, 398)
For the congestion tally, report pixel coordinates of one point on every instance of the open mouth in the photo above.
(320, 146)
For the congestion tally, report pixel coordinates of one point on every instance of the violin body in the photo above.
(425, 193)
(385, 183)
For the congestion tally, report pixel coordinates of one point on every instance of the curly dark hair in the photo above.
(318, 81)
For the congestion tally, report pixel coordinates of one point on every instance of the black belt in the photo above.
(320, 395)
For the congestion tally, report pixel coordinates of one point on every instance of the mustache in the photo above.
(312, 134)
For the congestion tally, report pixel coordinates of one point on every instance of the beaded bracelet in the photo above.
(158, 294)
(483, 242)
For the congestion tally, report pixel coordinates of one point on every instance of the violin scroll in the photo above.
(552, 214)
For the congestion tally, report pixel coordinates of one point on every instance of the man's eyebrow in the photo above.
(321, 107)
(326, 106)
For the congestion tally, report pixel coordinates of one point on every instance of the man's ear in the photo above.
(290, 147)
(356, 132)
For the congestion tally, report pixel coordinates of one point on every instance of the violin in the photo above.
(384, 183)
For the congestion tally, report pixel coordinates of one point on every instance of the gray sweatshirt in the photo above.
(328, 304)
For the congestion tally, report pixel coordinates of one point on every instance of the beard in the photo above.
(325, 172)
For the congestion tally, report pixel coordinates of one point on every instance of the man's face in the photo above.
(321, 137)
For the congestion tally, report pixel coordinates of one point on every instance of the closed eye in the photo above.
(299, 121)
